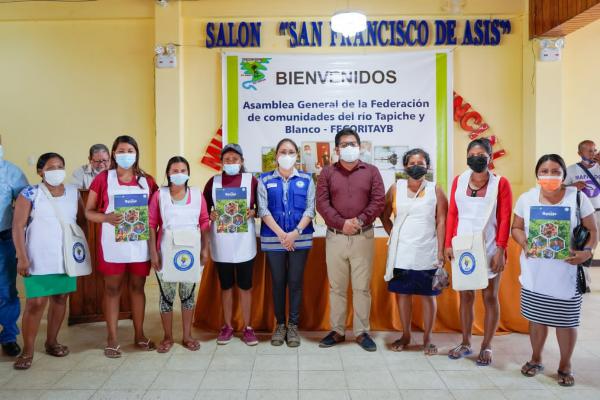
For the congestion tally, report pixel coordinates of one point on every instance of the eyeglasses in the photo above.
(98, 162)
(348, 144)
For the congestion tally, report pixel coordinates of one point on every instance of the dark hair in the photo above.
(580, 145)
(346, 132)
(173, 160)
(286, 140)
(406, 157)
(137, 171)
(481, 142)
(98, 148)
(555, 158)
(44, 158)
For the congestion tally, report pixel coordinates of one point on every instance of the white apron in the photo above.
(472, 210)
(417, 245)
(122, 252)
(233, 247)
(43, 237)
(181, 238)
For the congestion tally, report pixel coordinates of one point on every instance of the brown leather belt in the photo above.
(361, 230)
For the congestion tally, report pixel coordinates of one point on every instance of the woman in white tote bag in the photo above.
(38, 237)
(178, 210)
(480, 203)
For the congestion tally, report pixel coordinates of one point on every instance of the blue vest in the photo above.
(286, 210)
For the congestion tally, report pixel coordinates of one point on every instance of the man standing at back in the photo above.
(350, 196)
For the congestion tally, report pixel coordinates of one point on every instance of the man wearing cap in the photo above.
(350, 196)
(12, 181)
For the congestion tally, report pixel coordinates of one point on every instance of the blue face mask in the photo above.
(587, 160)
(125, 160)
(232, 169)
(179, 179)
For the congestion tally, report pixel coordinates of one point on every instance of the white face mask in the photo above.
(287, 161)
(232, 169)
(350, 154)
(54, 177)
(179, 179)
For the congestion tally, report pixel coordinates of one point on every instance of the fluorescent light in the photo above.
(348, 23)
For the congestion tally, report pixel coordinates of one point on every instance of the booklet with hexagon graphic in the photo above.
(231, 205)
(549, 232)
(134, 209)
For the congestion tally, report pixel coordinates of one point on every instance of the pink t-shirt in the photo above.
(155, 219)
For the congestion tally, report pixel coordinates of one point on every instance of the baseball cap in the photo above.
(232, 147)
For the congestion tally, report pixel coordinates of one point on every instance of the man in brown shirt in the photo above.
(350, 196)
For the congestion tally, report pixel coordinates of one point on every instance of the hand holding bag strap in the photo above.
(590, 175)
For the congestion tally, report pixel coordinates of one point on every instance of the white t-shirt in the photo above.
(555, 278)
(576, 174)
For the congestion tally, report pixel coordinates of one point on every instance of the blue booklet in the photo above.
(134, 208)
(549, 233)
(231, 205)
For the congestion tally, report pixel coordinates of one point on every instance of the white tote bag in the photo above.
(76, 253)
(181, 256)
(470, 264)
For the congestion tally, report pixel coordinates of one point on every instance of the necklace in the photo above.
(475, 191)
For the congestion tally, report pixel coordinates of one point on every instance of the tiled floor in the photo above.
(237, 371)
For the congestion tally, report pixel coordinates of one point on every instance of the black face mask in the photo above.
(477, 163)
(416, 171)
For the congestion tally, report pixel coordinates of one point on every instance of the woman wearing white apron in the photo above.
(38, 240)
(177, 208)
(470, 198)
(549, 294)
(118, 200)
(232, 251)
(417, 250)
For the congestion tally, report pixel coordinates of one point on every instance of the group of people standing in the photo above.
(349, 195)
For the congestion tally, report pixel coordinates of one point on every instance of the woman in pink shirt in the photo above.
(177, 208)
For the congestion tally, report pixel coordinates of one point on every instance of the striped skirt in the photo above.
(550, 311)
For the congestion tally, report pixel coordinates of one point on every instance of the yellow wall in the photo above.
(68, 83)
(581, 86)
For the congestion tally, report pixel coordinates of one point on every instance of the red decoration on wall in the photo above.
(472, 122)
(212, 154)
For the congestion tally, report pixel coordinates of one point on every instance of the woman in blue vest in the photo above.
(286, 204)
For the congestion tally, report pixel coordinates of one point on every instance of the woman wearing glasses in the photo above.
(99, 160)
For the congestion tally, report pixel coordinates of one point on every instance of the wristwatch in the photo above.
(299, 230)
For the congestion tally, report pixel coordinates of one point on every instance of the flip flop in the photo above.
(430, 350)
(23, 362)
(562, 378)
(113, 352)
(399, 345)
(165, 346)
(57, 350)
(148, 345)
(480, 361)
(462, 351)
(192, 345)
(530, 369)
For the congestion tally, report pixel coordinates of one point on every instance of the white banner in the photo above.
(395, 101)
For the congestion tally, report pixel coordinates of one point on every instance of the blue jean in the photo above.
(10, 307)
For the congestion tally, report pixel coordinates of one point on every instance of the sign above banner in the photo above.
(379, 33)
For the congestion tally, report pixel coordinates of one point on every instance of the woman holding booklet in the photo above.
(545, 221)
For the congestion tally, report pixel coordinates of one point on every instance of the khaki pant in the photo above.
(350, 258)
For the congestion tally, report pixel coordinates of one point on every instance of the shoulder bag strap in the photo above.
(590, 175)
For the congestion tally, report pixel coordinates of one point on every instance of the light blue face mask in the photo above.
(179, 179)
(232, 169)
(125, 160)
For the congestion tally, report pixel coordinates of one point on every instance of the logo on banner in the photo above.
(253, 68)
(78, 252)
(467, 263)
(183, 260)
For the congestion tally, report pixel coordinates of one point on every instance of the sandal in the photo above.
(482, 362)
(57, 350)
(460, 351)
(147, 345)
(23, 362)
(164, 346)
(400, 345)
(565, 379)
(113, 352)
(192, 345)
(430, 349)
(531, 369)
